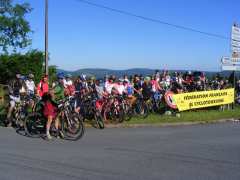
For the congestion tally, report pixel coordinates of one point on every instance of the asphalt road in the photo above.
(190, 152)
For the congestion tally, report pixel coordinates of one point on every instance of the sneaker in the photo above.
(48, 137)
(9, 124)
(61, 135)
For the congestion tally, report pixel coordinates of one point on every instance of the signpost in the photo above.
(232, 67)
(233, 63)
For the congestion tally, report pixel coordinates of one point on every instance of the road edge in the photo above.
(170, 124)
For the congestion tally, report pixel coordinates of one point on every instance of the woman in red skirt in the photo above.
(50, 112)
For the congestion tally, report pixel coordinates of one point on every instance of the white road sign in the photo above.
(235, 39)
(230, 68)
(236, 33)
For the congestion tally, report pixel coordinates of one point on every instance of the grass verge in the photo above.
(188, 116)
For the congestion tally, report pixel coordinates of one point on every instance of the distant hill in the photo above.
(101, 73)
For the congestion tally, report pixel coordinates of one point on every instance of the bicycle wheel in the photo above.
(34, 125)
(99, 120)
(141, 109)
(107, 114)
(146, 110)
(73, 127)
(128, 111)
(118, 114)
(19, 119)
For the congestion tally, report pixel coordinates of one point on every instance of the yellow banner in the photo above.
(203, 99)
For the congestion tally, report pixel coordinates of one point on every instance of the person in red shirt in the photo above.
(43, 87)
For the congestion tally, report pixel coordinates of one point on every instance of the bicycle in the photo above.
(113, 110)
(71, 123)
(143, 106)
(91, 109)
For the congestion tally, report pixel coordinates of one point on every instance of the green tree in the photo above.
(52, 74)
(31, 62)
(14, 28)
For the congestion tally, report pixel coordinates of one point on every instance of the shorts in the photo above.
(14, 100)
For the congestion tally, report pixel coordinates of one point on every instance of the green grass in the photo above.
(188, 116)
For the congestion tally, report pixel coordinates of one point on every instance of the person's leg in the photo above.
(57, 123)
(77, 110)
(9, 114)
(58, 127)
(49, 122)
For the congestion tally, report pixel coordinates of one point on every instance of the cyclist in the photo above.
(68, 81)
(30, 85)
(129, 91)
(84, 80)
(69, 86)
(43, 87)
(50, 112)
(147, 89)
(58, 88)
(30, 90)
(156, 89)
(91, 84)
(155, 84)
(99, 89)
(168, 79)
(109, 85)
(119, 87)
(137, 83)
(216, 83)
(51, 100)
(15, 87)
(79, 84)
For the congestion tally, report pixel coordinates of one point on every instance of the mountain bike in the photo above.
(71, 123)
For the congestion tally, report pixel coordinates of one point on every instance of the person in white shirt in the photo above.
(30, 85)
(120, 87)
(109, 86)
(67, 81)
(168, 80)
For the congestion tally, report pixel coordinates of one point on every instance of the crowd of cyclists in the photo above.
(112, 99)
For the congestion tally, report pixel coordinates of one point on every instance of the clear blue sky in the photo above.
(82, 36)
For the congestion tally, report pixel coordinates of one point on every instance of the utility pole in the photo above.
(46, 37)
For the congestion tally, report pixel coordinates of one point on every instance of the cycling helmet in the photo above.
(147, 78)
(23, 78)
(93, 78)
(68, 76)
(83, 77)
(30, 76)
(60, 75)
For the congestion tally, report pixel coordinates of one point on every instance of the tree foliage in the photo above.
(52, 73)
(31, 62)
(14, 28)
